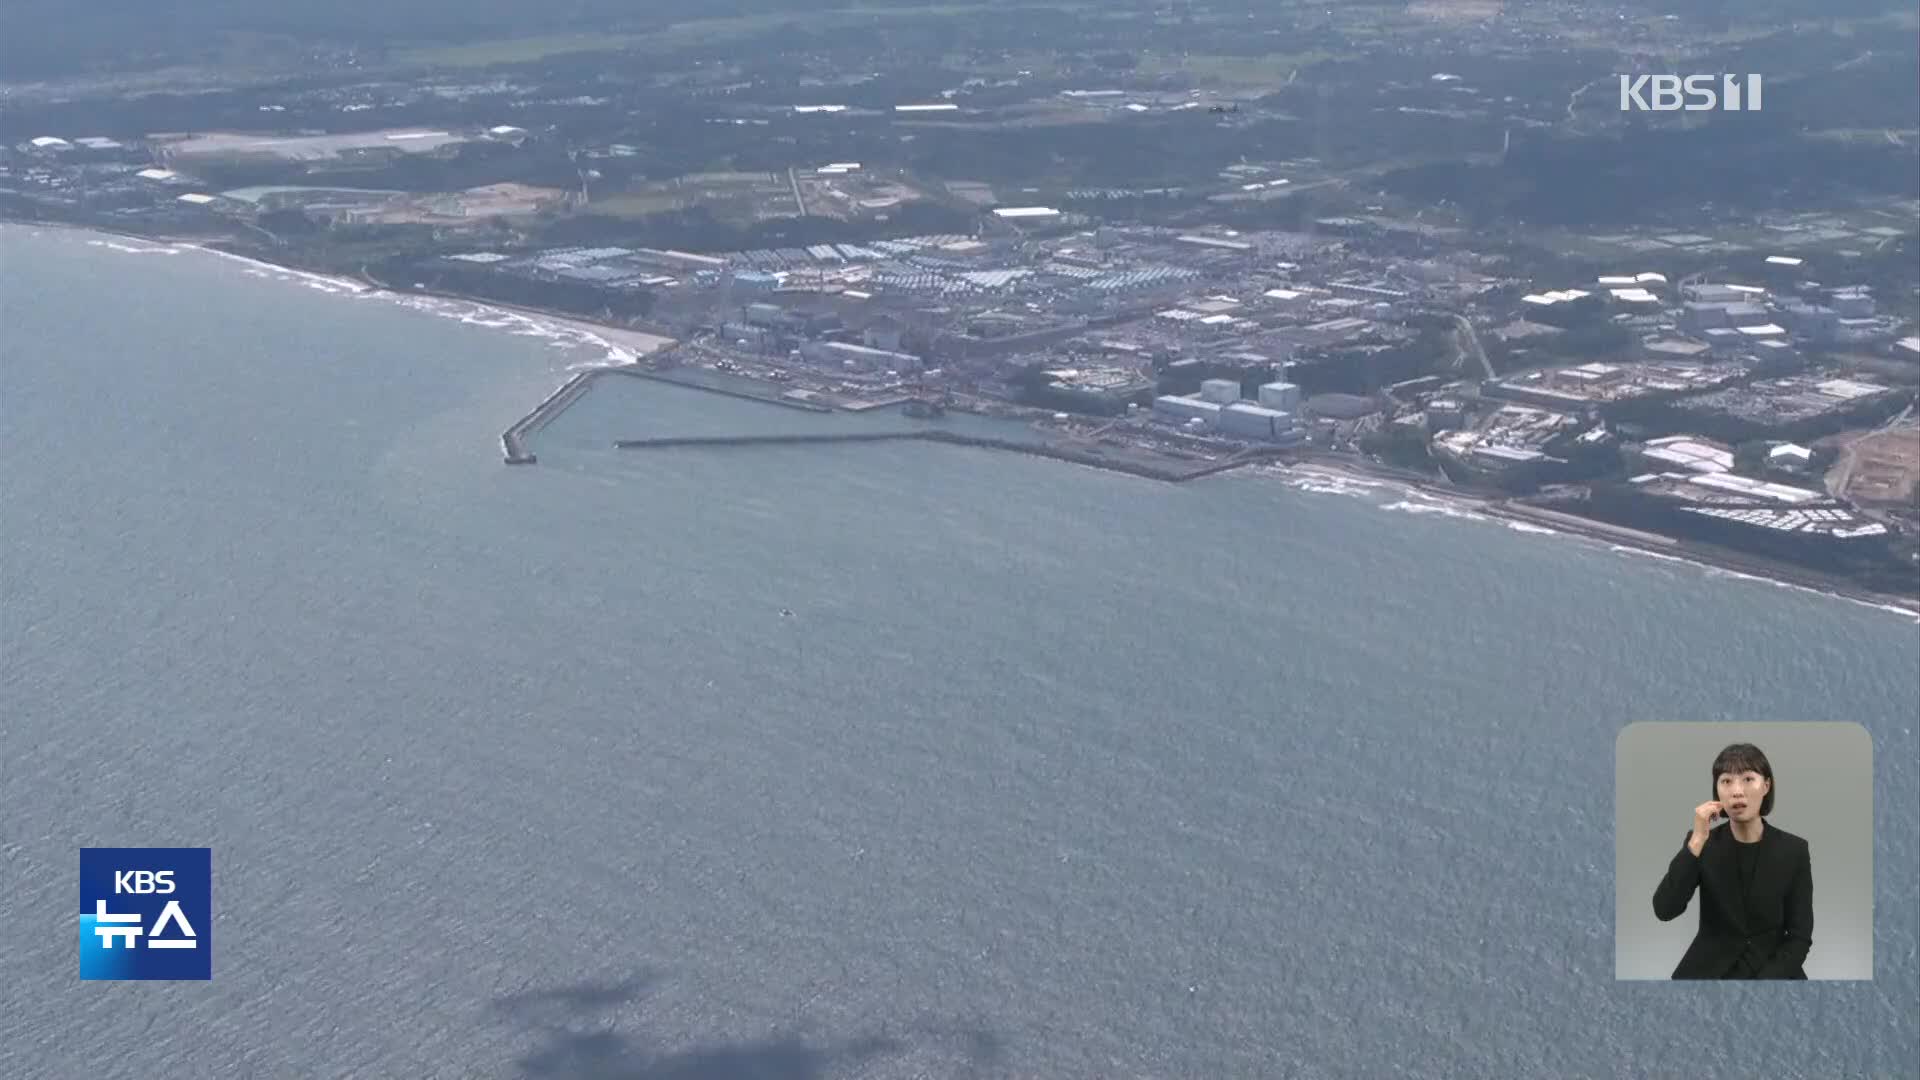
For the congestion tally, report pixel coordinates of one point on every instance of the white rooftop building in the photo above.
(1187, 409)
(1689, 454)
(1250, 421)
(1742, 485)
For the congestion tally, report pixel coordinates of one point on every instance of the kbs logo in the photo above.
(146, 913)
(1693, 93)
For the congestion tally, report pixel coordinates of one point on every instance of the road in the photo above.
(1470, 343)
(794, 182)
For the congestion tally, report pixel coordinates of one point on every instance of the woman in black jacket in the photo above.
(1755, 880)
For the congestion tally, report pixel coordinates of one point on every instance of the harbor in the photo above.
(1140, 461)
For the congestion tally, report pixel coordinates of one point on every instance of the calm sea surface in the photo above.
(1050, 772)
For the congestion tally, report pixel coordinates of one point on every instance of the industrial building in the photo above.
(1105, 390)
(1219, 407)
(1514, 437)
(1597, 384)
(1446, 414)
(1736, 505)
(1854, 302)
(1283, 396)
(1246, 420)
(1687, 452)
(1184, 410)
(1220, 391)
(1812, 401)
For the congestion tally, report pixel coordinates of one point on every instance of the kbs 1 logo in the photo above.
(1693, 93)
(146, 913)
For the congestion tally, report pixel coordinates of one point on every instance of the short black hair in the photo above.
(1745, 757)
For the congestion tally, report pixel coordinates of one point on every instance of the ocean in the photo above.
(1049, 772)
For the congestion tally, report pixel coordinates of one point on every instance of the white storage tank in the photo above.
(1220, 391)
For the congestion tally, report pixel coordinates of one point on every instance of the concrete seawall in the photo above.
(1154, 469)
(1578, 523)
(769, 440)
(745, 395)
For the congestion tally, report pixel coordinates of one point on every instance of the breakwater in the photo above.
(513, 442)
(1115, 459)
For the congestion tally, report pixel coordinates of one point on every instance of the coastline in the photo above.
(1696, 553)
(623, 345)
(1507, 509)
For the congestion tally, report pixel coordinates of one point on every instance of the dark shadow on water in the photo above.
(578, 1040)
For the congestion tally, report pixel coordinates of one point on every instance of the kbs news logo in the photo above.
(1691, 93)
(161, 895)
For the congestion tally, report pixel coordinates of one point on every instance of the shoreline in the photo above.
(1710, 557)
(624, 345)
(1680, 549)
